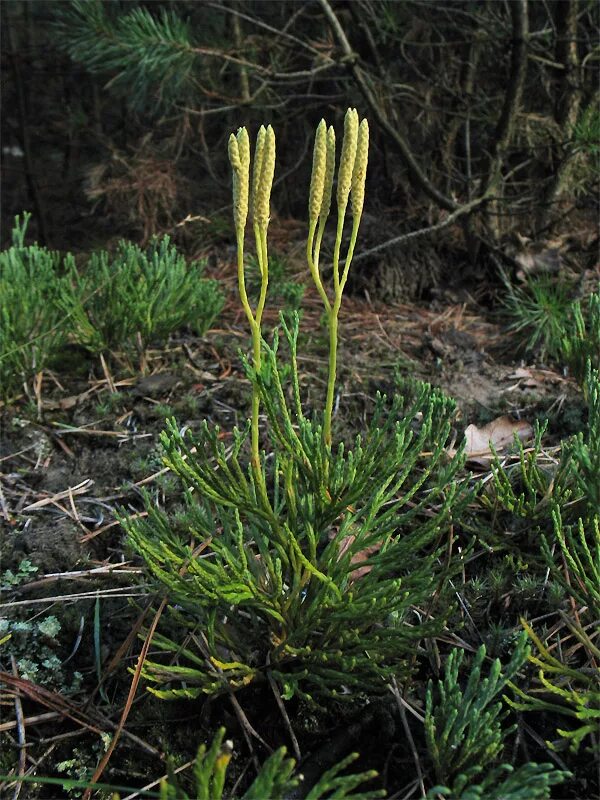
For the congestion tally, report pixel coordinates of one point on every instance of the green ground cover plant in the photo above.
(32, 325)
(275, 780)
(315, 571)
(580, 341)
(301, 567)
(533, 487)
(539, 310)
(564, 687)
(123, 301)
(321, 568)
(567, 693)
(560, 502)
(137, 295)
(550, 322)
(35, 646)
(297, 561)
(466, 736)
(24, 572)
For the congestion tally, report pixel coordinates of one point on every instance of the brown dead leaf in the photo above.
(359, 557)
(66, 403)
(523, 372)
(532, 377)
(526, 379)
(500, 433)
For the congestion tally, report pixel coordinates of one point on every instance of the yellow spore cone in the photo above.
(347, 158)
(317, 181)
(359, 173)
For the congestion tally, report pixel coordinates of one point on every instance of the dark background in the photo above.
(116, 117)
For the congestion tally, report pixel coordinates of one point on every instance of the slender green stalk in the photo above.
(260, 235)
(255, 331)
(333, 344)
(332, 318)
(259, 198)
(319, 220)
(350, 186)
(313, 247)
(242, 281)
(350, 254)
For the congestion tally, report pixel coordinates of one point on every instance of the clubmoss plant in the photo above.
(127, 300)
(262, 181)
(32, 326)
(465, 735)
(302, 569)
(275, 780)
(350, 185)
(584, 448)
(530, 488)
(566, 688)
(565, 692)
(580, 548)
(580, 341)
(527, 782)
(526, 488)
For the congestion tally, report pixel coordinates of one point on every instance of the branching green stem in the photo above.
(333, 311)
(313, 248)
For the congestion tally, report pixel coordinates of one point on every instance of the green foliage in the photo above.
(580, 548)
(465, 735)
(561, 501)
(580, 341)
(586, 133)
(585, 143)
(304, 566)
(583, 449)
(527, 487)
(527, 782)
(463, 730)
(562, 688)
(548, 319)
(539, 311)
(566, 691)
(124, 301)
(137, 296)
(275, 585)
(31, 323)
(79, 769)
(275, 780)
(150, 58)
(531, 487)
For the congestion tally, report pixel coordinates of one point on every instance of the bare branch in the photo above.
(568, 101)
(449, 220)
(516, 80)
(511, 105)
(260, 24)
(351, 61)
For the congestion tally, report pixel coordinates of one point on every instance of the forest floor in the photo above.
(87, 445)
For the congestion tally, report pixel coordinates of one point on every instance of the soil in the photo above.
(87, 447)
